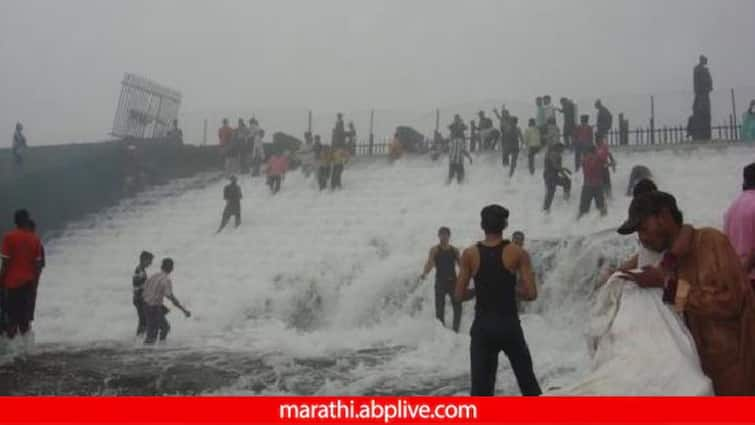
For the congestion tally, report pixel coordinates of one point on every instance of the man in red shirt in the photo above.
(21, 258)
(593, 166)
(601, 148)
(583, 136)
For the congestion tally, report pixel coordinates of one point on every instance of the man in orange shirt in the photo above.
(225, 136)
(21, 257)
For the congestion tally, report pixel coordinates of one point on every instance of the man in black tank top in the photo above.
(444, 258)
(494, 263)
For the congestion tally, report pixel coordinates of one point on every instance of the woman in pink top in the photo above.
(277, 166)
(739, 224)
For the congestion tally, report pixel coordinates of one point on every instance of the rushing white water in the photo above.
(321, 287)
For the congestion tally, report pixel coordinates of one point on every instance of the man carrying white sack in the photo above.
(642, 346)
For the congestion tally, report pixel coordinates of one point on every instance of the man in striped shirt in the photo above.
(457, 150)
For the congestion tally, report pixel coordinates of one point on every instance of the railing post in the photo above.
(652, 120)
(372, 135)
(734, 112)
(204, 133)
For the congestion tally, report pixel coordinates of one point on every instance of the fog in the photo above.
(62, 62)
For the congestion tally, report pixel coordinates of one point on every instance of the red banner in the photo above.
(379, 410)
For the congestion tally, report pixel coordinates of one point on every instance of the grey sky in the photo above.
(62, 61)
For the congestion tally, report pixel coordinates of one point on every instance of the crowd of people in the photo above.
(589, 146)
(245, 152)
(706, 275)
(707, 278)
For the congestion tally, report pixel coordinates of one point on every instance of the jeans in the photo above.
(156, 323)
(531, 157)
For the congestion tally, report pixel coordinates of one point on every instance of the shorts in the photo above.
(18, 304)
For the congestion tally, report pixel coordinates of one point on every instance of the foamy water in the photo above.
(321, 288)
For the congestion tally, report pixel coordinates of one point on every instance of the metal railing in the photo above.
(670, 135)
(666, 135)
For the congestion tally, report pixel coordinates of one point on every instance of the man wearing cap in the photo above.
(494, 263)
(707, 283)
(739, 224)
(232, 196)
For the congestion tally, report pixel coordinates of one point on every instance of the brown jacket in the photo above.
(720, 312)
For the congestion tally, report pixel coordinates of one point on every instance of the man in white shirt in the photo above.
(156, 288)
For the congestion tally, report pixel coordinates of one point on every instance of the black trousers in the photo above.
(531, 158)
(568, 136)
(141, 315)
(456, 170)
(17, 307)
(335, 179)
(228, 212)
(510, 156)
(490, 336)
(323, 174)
(275, 183)
(443, 290)
(590, 193)
(156, 323)
(551, 183)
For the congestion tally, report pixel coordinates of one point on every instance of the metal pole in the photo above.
(652, 120)
(204, 133)
(372, 135)
(155, 133)
(734, 112)
(437, 119)
(309, 122)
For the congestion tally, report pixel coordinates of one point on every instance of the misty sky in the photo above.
(62, 61)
